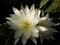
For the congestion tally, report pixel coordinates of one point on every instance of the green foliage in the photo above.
(53, 6)
(43, 2)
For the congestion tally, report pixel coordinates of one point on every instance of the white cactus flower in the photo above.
(24, 22)
(45, 27)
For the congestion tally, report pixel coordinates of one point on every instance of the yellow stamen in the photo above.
(25, 26)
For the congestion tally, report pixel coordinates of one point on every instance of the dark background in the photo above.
(6, 8)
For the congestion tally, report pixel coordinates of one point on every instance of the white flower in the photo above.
(45, 27)
(24, 22)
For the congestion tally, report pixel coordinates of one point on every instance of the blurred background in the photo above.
(52, 7)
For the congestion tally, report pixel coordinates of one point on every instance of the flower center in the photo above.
(25, 26)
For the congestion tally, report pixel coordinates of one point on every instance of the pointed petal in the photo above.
(32, 10)
(41, 40)
(17, 34)
(9, 18)
(35, 32)
(16, 40)
(52, 37)
(42, 13)
(42, 28)
(32, 7)
(9, 22)
(47, 15)
(35, 21)
(38, 12)
(22, 7)
(34, 40)
(53, 24)
(16, 11)
(27, 34)
(52, 29)
(48, 39)
(24, 40)
(27, 10)
(14, 17)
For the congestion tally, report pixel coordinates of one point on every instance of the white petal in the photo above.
(16, 40)
(34, 40)
(47, 15)
(42, 13)
(32, 7)
(38, 14)
(22, 7)
(31, 14)
(9, 18)
(44, 18)
(42, 28)
(17, 34)
(13, 26)
(27, 9)
(53, 24)
(32, 10)
(52, 38)
(16, 11)
(35, 32)
(52, 29)
(34, 21)
(27, 34)
(41, 40)
(24, 40)
(11, 21)
(13, 16)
